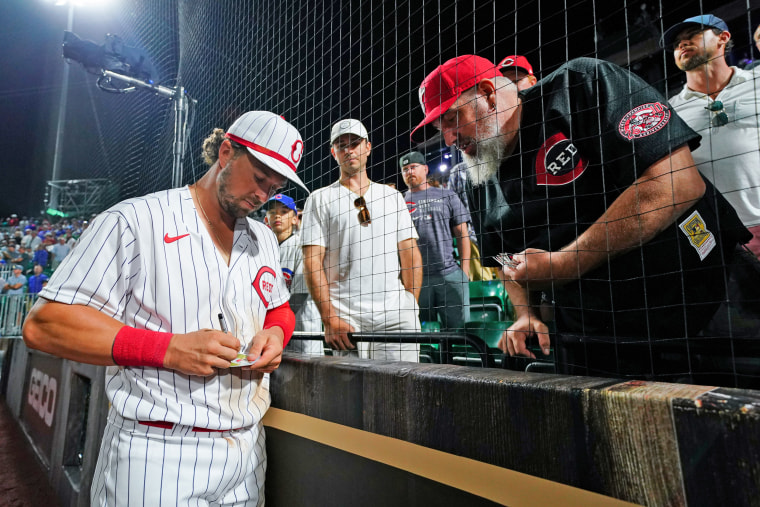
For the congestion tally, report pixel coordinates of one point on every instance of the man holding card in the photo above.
(149, 291)
(587, 178)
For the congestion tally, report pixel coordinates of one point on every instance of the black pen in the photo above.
(221, 323)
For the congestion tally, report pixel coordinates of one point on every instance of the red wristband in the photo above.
(140, 347)
(284, 318)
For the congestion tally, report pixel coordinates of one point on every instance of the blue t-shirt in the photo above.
(435, 212)
(35, 283)
(13, 280)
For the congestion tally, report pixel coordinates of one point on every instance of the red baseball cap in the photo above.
(442, 87)
(516, 61)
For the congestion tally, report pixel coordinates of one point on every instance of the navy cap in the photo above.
(284, 200)
(706, 21)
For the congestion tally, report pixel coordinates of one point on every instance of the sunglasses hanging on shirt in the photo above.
(720, 117)
(364, 218)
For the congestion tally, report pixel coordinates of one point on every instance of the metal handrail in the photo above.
(13, 311)
(444, 340)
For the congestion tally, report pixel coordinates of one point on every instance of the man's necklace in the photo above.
(208, 220)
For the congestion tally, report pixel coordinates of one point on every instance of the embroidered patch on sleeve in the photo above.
(699, 236)
(644, 120)
(558, 161)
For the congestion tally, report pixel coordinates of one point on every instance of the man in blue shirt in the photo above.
(439, 215)
(37, 281)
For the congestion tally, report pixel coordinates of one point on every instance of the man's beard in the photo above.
(491, 148)
(227, 201)
(696, 60)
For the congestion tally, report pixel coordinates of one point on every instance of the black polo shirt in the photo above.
(588, 131)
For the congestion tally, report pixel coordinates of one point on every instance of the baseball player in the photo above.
(588, 179)
(182, 297)
(282, 217)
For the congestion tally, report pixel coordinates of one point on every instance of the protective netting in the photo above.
(317, 62)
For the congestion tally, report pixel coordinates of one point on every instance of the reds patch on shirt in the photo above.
(263, 284)
(288, 275)
(558, 161)
(644, 120)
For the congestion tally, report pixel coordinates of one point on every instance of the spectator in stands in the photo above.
(625, 238)
(25, 259)
(36, 240)
(518, 69)
(439, 215)
(16, 283)
(37, 281)
(281, 217)
(41, 255)
(721, 103)
(26, 240)
(70, 240)
(361, 260)
(10, 254)
(60, 250)
(756, 61)
(17, 237)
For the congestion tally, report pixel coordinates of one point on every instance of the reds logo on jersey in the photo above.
(558, 161)
(644, 120)
(263, 284)
(288, 275)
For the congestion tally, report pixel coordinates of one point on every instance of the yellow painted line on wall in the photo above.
(488, 481)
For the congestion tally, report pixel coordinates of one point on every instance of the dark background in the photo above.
(313, 62)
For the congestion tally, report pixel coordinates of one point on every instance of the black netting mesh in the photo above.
(317, 62)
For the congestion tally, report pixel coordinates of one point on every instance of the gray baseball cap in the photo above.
(413, 157)
(348, 126)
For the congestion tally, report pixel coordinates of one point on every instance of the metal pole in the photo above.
(53, 201)
(180, 124)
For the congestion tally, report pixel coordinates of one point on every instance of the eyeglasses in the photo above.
(720, 118)
(364, 218)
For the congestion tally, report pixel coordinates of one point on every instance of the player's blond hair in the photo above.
(211, 144)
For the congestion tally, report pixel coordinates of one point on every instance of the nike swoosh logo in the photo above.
(169, 239)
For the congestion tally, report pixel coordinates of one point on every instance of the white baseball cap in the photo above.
(348, 126)
(272, 140)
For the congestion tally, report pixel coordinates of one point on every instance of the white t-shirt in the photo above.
(362, 263)
(306, 311)
(150, 263)
(729, 155)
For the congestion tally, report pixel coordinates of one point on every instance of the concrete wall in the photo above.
(571, 439)
(346, 431)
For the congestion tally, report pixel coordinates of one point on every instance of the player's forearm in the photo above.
(661, 195)
(75, 332)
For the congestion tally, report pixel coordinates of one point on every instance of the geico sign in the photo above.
(42, 393)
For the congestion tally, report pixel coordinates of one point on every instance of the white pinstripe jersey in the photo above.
(150, 263)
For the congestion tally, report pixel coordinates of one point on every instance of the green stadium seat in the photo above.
(487, 314)
(429, 352)
(490, 295)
